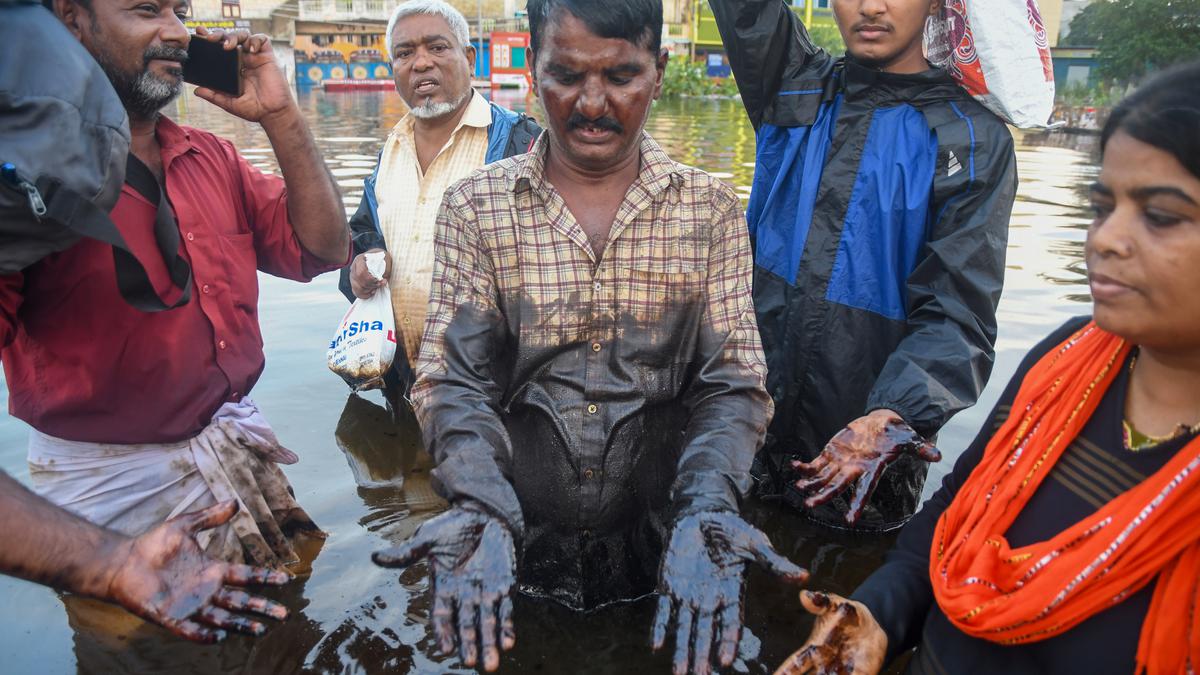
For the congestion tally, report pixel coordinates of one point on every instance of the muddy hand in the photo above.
(701, 583)
(165, 578)
(845, 639)
(473, 561)
(856, 457)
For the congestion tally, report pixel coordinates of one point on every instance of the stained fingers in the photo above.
(246, 575)
(835, 485)
(443, 622)
(702, 639)
(220, 618)
(508, 635)
(683, 639)
(489, 625)
(241, 601)
(731, 630)
(662, 618)
(468, 632)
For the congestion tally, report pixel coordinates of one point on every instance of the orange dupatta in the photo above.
(1012, 596)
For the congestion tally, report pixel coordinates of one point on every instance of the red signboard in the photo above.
(508, 60)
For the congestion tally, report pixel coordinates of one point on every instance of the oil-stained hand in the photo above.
(701, 583)
(856, 458)
(473, 562)
(845, 640)
(164, 577)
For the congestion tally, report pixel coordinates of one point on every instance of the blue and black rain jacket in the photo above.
(879, 217)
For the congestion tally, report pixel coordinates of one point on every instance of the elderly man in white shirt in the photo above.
(450, 131)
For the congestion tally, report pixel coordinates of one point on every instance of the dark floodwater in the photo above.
(365, 478)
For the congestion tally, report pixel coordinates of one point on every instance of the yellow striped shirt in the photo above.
(408, 201)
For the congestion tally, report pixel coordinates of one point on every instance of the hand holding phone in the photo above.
(210, 65)
(261, 93)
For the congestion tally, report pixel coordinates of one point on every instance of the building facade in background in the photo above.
(319, 40)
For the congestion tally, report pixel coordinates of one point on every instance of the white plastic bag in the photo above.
(997, 50)
(364, 345)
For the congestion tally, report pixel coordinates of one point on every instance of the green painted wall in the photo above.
(704, 29)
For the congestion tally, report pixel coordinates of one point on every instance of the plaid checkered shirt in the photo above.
(588, 402)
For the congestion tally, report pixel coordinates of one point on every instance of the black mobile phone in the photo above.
(210, 65)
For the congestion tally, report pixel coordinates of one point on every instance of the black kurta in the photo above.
(1095, 469)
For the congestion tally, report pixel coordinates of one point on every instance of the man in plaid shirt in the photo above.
(590, 381)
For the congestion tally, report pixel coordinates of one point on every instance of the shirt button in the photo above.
(588, 473)
(191, 237)
(221, 344)
(205, 289)
(595, 346)
(596, 286)
(591, 406)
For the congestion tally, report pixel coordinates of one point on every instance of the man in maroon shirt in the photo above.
(138, 417)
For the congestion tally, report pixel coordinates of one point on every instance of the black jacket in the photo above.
(879, 215)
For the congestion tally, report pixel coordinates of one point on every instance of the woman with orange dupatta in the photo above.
(1067, 538)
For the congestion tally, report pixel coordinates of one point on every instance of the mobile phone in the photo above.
(210, 65)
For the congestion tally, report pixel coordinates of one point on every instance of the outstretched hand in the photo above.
(856, 458)
(701, 582)
(473, 562)
(165, 578)
(845, 639)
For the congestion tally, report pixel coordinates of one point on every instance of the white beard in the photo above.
(432, 110)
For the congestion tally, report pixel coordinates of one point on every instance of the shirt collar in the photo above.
(479, 112)
(657, 172)
(173, 139)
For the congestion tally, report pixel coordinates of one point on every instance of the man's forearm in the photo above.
(48, 545)
(713, 473)
(314, 203)
(730, 410)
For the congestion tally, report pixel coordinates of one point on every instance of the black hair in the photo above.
(638, 21)
(1165, 113)
(86, 4)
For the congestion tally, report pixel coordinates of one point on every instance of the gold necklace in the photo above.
(1136, 441)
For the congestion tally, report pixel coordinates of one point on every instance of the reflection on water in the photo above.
(365, 479)
(389, 465)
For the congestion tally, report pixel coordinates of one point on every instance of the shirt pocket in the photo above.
(653, 292)
(241, 269)
(658, 318)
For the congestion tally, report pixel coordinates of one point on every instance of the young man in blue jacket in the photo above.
(879, 217)
(449, 132)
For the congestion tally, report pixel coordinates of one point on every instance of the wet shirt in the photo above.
(83, 365)
(587, 401)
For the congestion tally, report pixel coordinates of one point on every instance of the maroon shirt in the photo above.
(83, 365)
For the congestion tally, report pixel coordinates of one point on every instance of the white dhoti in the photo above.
(133, 488)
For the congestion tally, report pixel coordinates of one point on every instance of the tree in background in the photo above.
(1134, 37)
(828, 38)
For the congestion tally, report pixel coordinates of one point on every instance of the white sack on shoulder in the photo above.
(999, 52)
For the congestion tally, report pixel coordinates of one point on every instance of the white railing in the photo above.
(345, 10)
